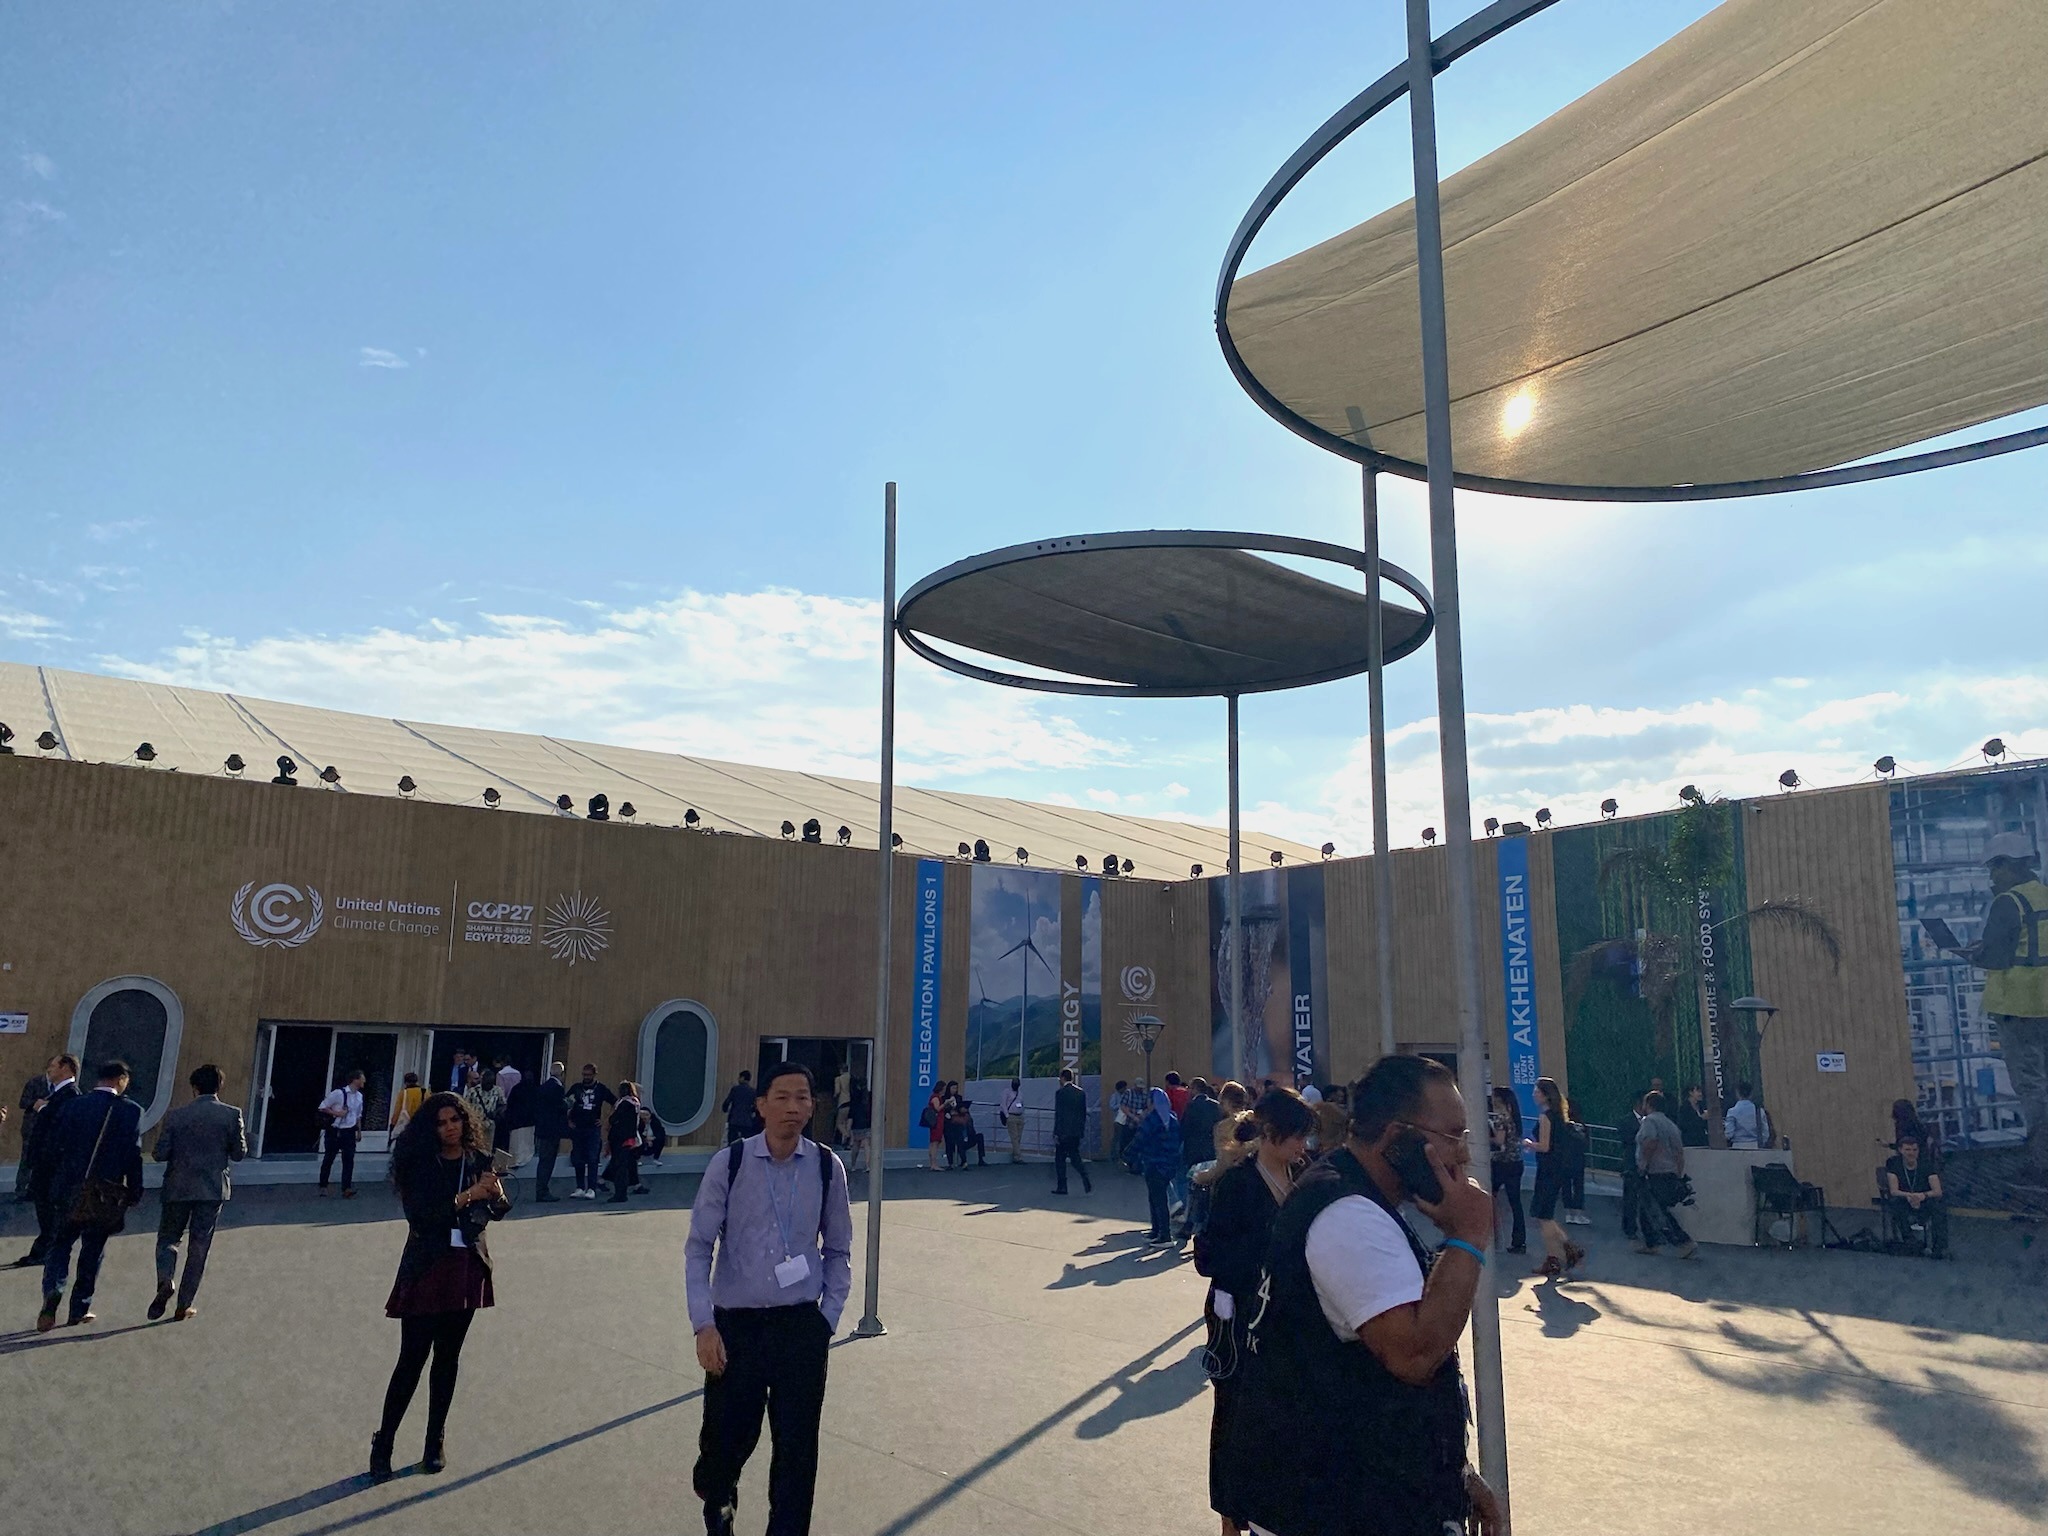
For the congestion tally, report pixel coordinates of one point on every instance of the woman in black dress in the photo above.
(442, 1168)
(622, 1136)
(1232, 1251)
(1504, 1132)
(1551, 1145)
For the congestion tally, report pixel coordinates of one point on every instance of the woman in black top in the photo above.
(1232, 1251)
(1504, 1136)
(622, 1139)
(444, 1178)
(1550, 1144)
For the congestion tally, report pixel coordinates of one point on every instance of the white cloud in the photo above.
(108, 533)
(780, 677)
(378, 357)
(39, 165)
(20, 624)
(23, 215)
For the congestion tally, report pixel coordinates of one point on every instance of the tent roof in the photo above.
(1148, 613)
(103, 719)
(1792, 237)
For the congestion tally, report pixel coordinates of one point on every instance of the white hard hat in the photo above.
(2010, 845)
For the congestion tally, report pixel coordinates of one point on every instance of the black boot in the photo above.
(380, 1457)
(434, 1458)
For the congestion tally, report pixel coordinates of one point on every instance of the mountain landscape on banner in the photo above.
(992, 1035)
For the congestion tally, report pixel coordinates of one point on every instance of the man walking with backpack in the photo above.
(774, 1212)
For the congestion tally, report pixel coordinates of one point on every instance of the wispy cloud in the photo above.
(20, 624)
(39, 165)
(120, 528)
(25, 215)
(776, 676)
(378, 357)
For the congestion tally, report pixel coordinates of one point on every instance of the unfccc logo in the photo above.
(1139, 983)
(277, 916)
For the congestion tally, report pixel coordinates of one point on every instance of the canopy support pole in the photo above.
(870, 1323)
(1234, 937)
(1376, 694)
(1450, 693)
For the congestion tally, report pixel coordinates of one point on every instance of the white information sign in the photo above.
(1831, 1061)
(13, 1023)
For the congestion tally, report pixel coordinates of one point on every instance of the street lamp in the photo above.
(1141, 1034)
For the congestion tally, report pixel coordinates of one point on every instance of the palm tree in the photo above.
(1664, 964)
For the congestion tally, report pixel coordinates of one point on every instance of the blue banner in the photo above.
(929, 958)
(1518, 973)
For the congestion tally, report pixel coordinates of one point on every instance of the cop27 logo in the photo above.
(277, 916)
(1139, 983)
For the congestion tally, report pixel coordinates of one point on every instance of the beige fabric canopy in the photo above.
(1796, 235)
(1195, 618)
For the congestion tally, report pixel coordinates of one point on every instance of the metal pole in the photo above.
(1234, 935)
(1450, 705)
(1376, 694)
(870, 1323)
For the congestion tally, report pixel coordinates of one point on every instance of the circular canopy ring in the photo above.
(1158, 614)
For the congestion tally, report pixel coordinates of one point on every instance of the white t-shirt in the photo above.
(1311, 1094)
(508, 1079)
(1361, 1264)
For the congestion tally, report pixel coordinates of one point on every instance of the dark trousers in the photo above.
(46, 1228)
(1065, 1150)
(625, 1174)
(1933, 1214)
(344, 1143)
(1124, 1133)
(1662, 1191)
(1507, 1180)
(1631, 1197)
(1156, 1186)
(584, 1151)
(92, 1247)
(439, 1334)
(545, 1150)
(197, 1217)
(775, 1360)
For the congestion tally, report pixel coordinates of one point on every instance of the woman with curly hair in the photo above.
(442, 1167)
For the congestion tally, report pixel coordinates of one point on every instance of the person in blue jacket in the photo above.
(1155, 1152)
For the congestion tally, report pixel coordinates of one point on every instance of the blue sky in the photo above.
(539, 366)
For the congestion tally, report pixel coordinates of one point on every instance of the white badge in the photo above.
(455, 1238)
(792, 1272)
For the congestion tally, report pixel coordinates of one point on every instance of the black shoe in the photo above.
(434, 1458)
(380, 1457)
(162, 1300)
(27, 1261)
(47, 1318)
(547, 1199)
(616, 1200)
(1087, 1188)
(1059, 1189)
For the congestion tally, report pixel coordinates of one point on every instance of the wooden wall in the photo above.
(107, 871)
(1832, 847)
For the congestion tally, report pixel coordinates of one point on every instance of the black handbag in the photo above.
(102, 1204)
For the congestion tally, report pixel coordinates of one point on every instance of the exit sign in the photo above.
(1831, 1061)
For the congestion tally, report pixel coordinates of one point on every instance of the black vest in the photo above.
(1326, 1441)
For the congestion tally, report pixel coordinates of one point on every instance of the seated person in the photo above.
(1913, 1191)
(960, 1120)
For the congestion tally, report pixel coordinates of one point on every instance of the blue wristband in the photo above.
(1459, 1242)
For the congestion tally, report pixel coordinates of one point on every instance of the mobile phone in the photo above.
(1408, 1155)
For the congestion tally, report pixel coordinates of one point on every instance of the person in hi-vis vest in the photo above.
(2014, 957)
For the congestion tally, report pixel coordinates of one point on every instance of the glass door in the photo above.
(259, 1085)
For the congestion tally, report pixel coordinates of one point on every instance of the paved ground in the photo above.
(1040, 1375)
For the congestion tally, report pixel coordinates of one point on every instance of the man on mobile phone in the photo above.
(1352, 1416)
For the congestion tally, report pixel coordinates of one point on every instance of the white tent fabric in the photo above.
(104, 719)
(1794, 236)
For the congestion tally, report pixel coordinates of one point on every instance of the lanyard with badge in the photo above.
(794, 1268)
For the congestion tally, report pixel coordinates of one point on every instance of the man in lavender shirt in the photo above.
(774, 1209)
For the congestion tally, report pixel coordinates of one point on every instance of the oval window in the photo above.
(679, 1063)
(136, 1019)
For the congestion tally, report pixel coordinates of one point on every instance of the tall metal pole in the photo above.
(1450, 705)
(870, 1322)
(1376, 727)
(1234, 934)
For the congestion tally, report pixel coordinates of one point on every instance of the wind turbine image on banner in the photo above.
(1031, 950)
(979, 1013)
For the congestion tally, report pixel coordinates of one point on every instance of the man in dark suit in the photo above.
(1069, 1120)
(550, 1128)
(62, 1076)
(98, 1135)
(33, 1092)
(198, 1141)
